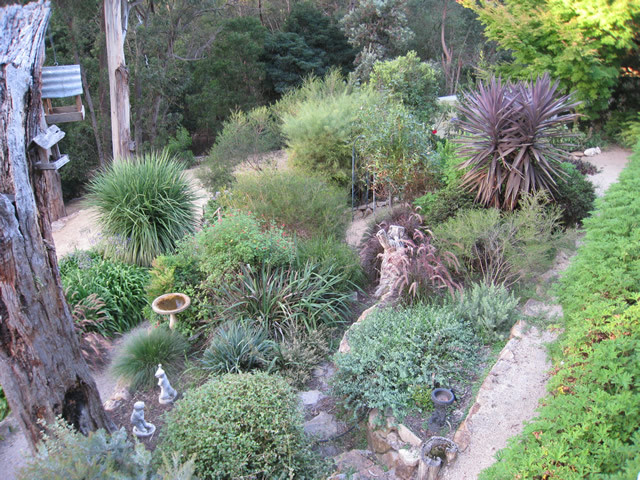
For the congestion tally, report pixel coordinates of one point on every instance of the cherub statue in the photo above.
(167, 392)
(141, 428)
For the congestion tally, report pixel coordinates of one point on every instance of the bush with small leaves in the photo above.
(575, 195)
(396, 351)
(138, 359)
(67, 454)
(490, 309)
(244, 425)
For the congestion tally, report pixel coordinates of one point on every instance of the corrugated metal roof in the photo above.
(61, 81)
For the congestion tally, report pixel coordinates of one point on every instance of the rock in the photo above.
(517, 330)
(407, 436)
(354, 460)
(311, 397)
(322, 425)
(408, 457)
(391, 459)
(590, 152)
(535, 308)
(377, 441)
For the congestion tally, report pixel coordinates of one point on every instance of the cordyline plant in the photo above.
(509, 129)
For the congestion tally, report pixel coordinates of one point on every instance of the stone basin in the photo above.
(170, 304)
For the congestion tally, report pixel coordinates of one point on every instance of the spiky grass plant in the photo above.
(509, 132)
(145, 206)
(237, 347)
(138, 359)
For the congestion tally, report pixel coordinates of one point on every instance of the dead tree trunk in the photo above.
(115, 20)
(42, 370)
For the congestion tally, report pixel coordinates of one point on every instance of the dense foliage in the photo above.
(588, 425)
(67, 453)
(137, 359)
(502, 248)
(241, 426)
(583, 44)
(145, 206)
(396, 351)
(574, 195)
(121, 288)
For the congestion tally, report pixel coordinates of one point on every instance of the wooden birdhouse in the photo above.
(62, 81)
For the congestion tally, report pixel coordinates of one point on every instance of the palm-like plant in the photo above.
(509, 129)
(145, 206)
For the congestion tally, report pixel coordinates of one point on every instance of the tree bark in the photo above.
(42, 370)
(118, 78)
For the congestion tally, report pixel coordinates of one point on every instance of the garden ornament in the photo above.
(167, 393)
(141, 428)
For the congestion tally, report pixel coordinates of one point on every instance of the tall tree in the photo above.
(582, 43)
(116, 19)
(42, 370)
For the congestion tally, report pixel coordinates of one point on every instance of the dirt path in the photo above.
(511, 393)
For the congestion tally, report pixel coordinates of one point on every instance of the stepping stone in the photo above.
(323, 426)
(311, 397)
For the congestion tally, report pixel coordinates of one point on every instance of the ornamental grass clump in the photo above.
(510, 138)
(145, 205)
(138, 359)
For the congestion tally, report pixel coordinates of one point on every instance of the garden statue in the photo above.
(141, 428)
(167, 393)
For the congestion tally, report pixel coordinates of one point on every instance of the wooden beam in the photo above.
(64, 116)
(49, 137)
(63, 160)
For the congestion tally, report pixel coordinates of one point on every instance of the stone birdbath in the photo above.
(441, 398)
(171, 304)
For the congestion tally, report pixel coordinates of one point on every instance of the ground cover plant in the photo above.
(137, 359)
(145, 207)
(509, 132)
(67, 453)
(304, 205)
(241, 426)
(587, 426)
(120, 287)
(396, 352)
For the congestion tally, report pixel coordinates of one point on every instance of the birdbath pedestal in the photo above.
(171, 304)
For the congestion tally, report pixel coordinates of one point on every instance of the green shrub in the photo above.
(490, 309)
(237, 347)
(396, 148)
(238, 239)
(411, 81)
(244, 138)
(66, 453)
(241, 426)
(179, 147)
(138, 358)
(4, 405)
(588, 425)
(575, 195)
(120, 286)
(283, 298)
(502, 248)
(320, 132)
(145, 205)
(439, 206)
(329, 252)
(301, 204)
(396, 351)
(299, 352)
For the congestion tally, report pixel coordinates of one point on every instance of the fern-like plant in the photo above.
(511, 138)
(145, 206)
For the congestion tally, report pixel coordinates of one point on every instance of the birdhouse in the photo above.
(62, 82)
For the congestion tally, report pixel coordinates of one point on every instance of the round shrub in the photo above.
(240, 426)
(574, 195)
(146, 205)
(398, 352)
(138, 359)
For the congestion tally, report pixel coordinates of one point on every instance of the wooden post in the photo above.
(118, 77)
(42, 371)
